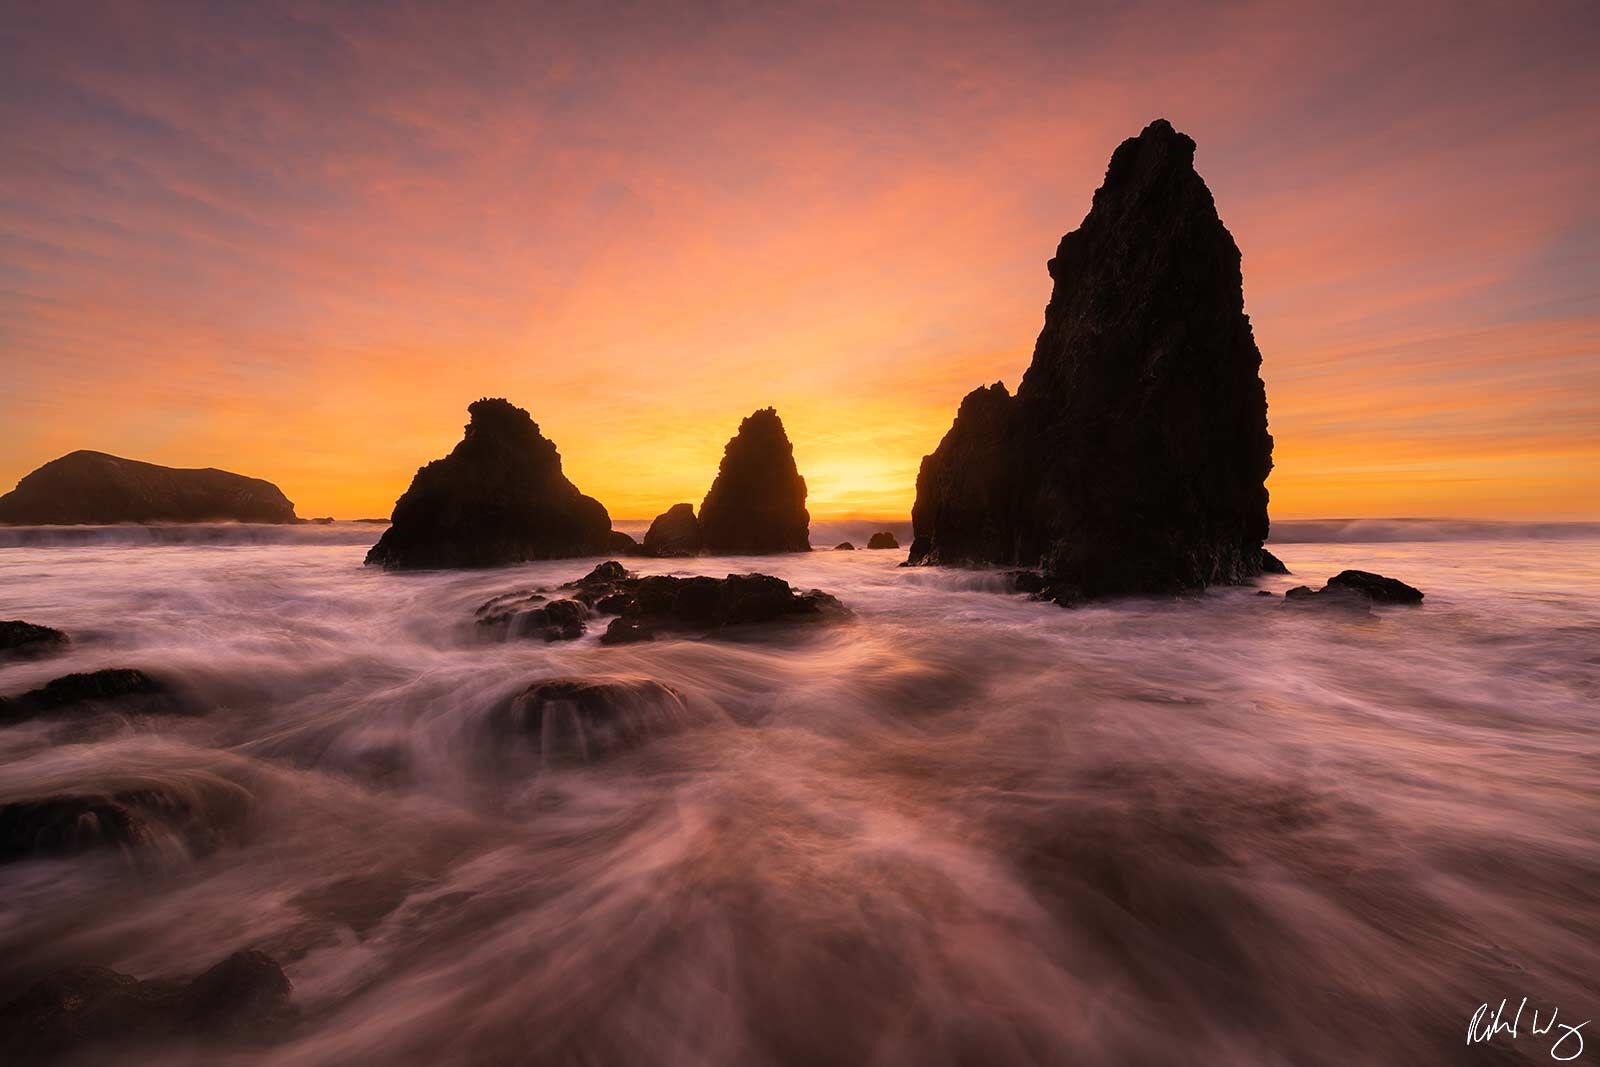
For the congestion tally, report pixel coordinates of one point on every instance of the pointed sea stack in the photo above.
(1134, 455)
(499, 497)
(758, 502)
(93, 488)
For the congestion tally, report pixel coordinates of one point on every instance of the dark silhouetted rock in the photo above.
(757, 504)
(1376, 587)
(499, 497)
(967, 491)
(199, 820)
(245, 997)
(93, 488)
(1355, 591)
(1271, 564)
(532, 616)
(623, 544)
(121, 689)
(883, 539)
(1028, 582)
(1134, 455)
(26, 640)
(660, 603)
(844, 546)
(675, 532)
(585, 719)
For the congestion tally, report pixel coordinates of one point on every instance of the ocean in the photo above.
(959, 828)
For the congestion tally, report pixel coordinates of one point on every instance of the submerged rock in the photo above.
(93, 488)
(674, 532)
(1355, 590)
(66, 824)
(121, 689)
(587, 719)
(757, 504)
(19, 640)
(244, 997)
(1133, 457)
(883, 539)
(499, 497)
(1376, 587)
(530, 615)
(667, 603)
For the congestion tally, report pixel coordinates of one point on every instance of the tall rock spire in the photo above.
(757, 504)
(1134, 455)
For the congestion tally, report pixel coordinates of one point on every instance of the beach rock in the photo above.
(660, 603)
(499, 497)
(883, 539)
(124, 690)
(1349, 600)
(1376, 587)
(844, 546)
(198, 820)
(532, 616)
(26, 640)
(1134, 455)
(582, 720)
(674, 532)
(244, 997)
(1271, 564)
(93, 487)
(757, 504)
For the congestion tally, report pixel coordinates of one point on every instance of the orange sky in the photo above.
(295, 240)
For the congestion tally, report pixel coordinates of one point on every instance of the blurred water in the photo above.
(962, 828)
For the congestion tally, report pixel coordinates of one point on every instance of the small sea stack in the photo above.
(674, 532)
(499, 497)
(883, 539)
(93, 488)
(757, 504)
(1134, 455)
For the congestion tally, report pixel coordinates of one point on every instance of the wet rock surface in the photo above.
(245, 997)
(1355, 591)
(1134, 455)
(124, 690)
(675, 532)
(583, 720)
(651, 604)
(199, 820)
(757, 504)
(95, 488)
(499, 497)
(26, 640)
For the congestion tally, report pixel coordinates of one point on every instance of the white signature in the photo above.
(1568, 1043)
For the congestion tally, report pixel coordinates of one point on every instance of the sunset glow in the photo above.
(297, 246)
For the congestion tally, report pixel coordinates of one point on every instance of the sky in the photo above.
(295, 240)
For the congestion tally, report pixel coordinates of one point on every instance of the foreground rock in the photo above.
(499, 497)
(1134, 455)
(26, 640)
(883, 539)
(120, 689)
(654, 604)
(581, 720)
(197, 820)
(674, 532)
(245, 997)
(1355, 591)
(757, 504)
(94, 488)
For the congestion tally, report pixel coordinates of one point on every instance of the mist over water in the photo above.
(962, 828)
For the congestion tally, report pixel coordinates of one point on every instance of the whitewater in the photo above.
(961, 827)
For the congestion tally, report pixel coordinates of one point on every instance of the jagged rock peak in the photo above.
(499, 497)
(757, 504)
(1134, 456)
